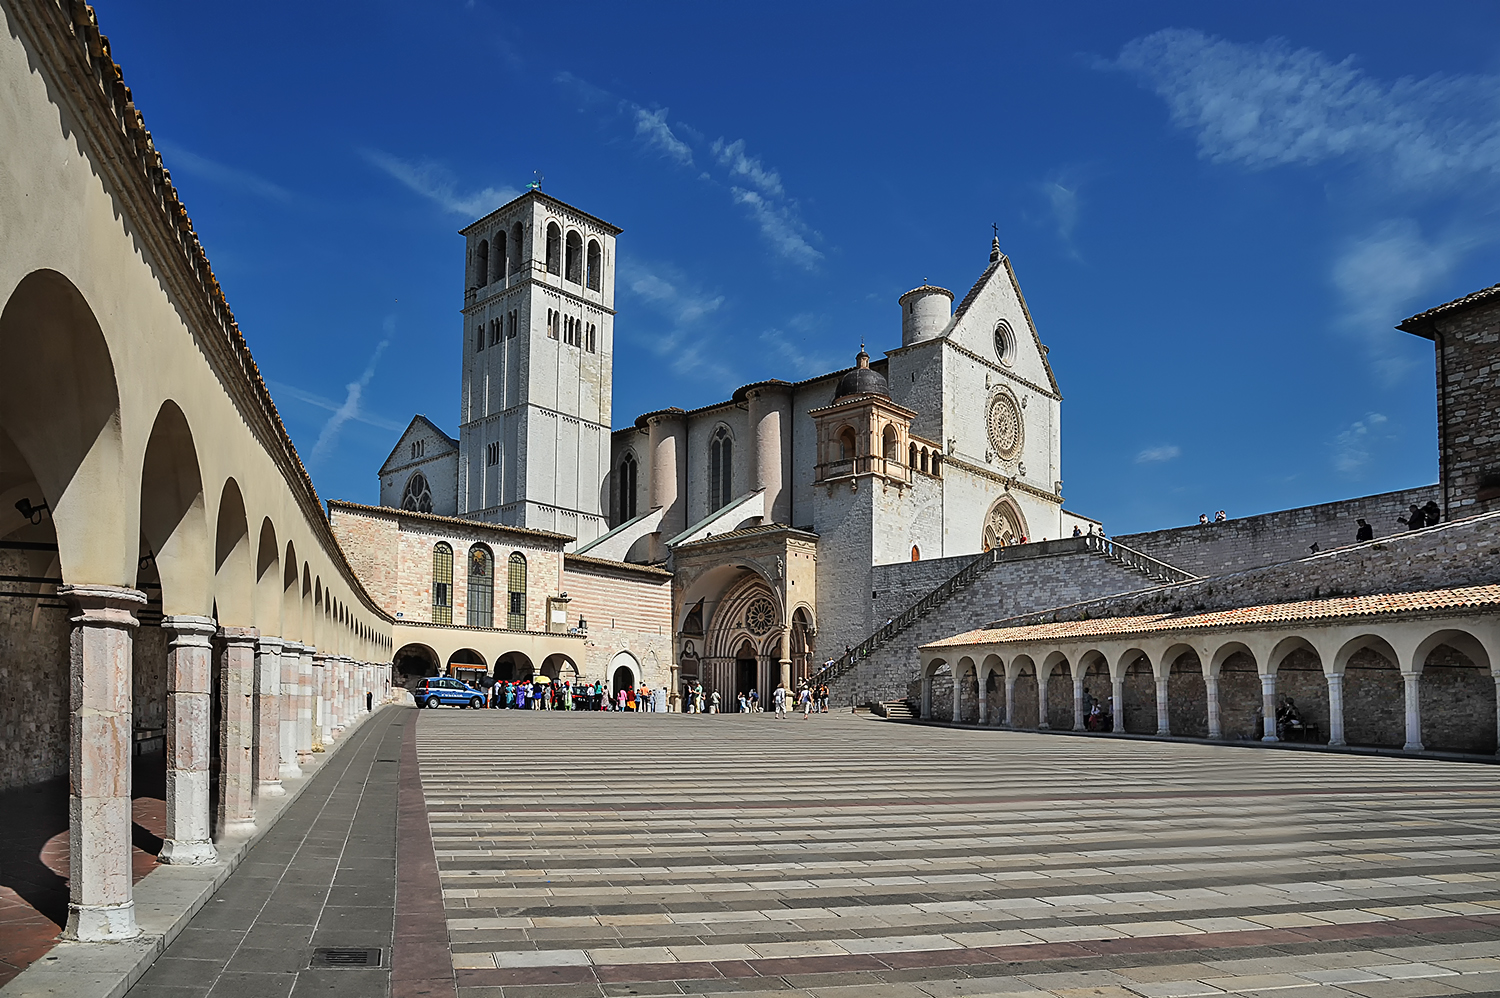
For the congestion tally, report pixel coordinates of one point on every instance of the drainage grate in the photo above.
(329, 957)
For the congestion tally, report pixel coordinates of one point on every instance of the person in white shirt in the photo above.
(780, 697)
(805, 697)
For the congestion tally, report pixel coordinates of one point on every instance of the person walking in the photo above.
(713, 703)
(744, 703)
(1414, 520)
(806, 699)
(780, 698)
(754, 701)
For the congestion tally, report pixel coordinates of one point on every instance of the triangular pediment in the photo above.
(995, 299)
(436, 442)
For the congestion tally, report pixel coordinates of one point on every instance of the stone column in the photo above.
(291, 662)
(268, 718)
(1268, 707)
(305, 700)
(1077, 703)
(1117, 706)
(1163, 712)
(101, 903)
(1215, 723)
(1497, 712)
(1335, 708)
(322, 666)
(786, 674)
(1010, 700)
(190, 657)
(983, 685)
(1413, 681)
(235, 808)
(770, 423)
(1041, 702)
(667, 442)
(958, 697)
(927, 695)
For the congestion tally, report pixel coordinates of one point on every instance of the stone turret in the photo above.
(925, 313)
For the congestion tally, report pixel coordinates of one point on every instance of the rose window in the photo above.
(761, 616)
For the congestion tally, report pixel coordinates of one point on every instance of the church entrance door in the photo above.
(624, 679)
(746, 673)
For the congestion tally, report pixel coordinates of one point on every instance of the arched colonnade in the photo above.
(1423, 684)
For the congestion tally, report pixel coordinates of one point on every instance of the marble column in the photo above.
(235, 808)
(786, 674)
(1215, 720)
(101, 902)
(958, 696)
(1335, 708)
(1268, 707)
(306, 700)
(983, 685)
(1413, 681)
(1163, 708)
(1497, 712)
(1078, 703)
(927, 696)
(321, 669)
(268, 717)
(286, 749)
(190, 659)
(1010, 700)
(1117, 704)
(1041, 701)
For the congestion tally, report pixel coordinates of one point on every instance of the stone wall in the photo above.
(1285, 535)
(1461, 553)
(34, 730)
(628, 610)
(1027, 577)
(1468, 395)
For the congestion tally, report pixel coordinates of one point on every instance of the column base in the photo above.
(237, 829)
(1412, 747)
(291, 770)
(1163, 733)
(1337, 744)
(270, 788)
(188, 853)
(1043, 726)
(1269, 738)
(102, 923)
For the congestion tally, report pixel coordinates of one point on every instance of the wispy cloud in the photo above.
(749, 182)
(181, 160)
(435, 182)
(1159, 454)
(1268, 104)
(1351, 447)
(686, 343)
(790, 345)
(1059, 196)
(282, 389)
(350, 408)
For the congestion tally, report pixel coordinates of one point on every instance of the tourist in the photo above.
(823, 696)
(621, 697)
(1414, 520)
(1202, 519)
(713, 703)
(805, 697)
(1077, 531)
(1365, 531)
(780, 698)
(754, 701)
(1220, 516)
(1432, 513)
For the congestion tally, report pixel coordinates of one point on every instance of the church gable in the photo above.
(421, 441)
(994, 323)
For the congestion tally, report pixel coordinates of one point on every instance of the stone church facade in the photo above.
(771, 510)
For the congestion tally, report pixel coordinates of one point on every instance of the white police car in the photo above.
(437, 690)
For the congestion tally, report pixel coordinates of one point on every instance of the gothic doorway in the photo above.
(746, 670)
(624, 679)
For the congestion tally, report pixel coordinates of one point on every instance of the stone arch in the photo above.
(1237, 675)
(1374, 693)
(1058, 675)
(553, 249)
(1024, 700)
(624, 672)
(848, 441)
(1456, 692)
(1004, 524)
(1137, 714)
(482, 263)
(1187, 691)
(560, 668)
(234, 567)
(594, 265)
(890, 443)
(992, 685)
(60, 408)
(1302, 679)
(267, 596)
(291, 606)
(573, 257)
(466, 664)
(511, 666)
(966, 688)
(174, 524)
(412, 663)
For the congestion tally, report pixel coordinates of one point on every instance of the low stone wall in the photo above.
(1285, 535)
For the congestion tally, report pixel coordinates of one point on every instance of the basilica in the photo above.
(754, 528)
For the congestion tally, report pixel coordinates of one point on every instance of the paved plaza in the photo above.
(844, 856)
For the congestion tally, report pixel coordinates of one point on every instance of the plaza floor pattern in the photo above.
(587, 854)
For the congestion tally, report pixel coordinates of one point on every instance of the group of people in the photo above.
(1219, 517)
(539, 694)
(811, 699)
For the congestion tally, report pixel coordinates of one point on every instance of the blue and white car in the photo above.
(436, 691)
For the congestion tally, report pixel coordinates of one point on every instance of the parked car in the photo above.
(437, 690)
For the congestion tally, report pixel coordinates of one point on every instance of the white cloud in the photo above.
(181, 160)
(651, 127)
(350, 408)
(790, 347)
(436, 183)
(1267, 104)
(1157, 455)
(1351, 448)
(732, 156)
(687, 343)
(281, 388)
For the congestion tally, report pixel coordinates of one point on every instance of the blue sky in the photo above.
(1217, 212)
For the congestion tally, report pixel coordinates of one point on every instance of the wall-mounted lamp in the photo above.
(32, 513)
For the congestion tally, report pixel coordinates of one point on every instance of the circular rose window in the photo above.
(1003, 420)
(761, 616)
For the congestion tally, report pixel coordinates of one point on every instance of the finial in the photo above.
(995, 246)
(536, 184)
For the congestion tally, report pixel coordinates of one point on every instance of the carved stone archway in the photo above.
(1003, 524)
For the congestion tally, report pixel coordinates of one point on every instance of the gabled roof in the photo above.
(396, 513)
(1421, 323)
(1003, 262)
(416, 420)
(537, 195)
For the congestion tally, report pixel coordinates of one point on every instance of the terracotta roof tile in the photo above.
(1419, 323)
(1306, 611)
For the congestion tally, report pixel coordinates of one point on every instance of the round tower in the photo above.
(925, 313)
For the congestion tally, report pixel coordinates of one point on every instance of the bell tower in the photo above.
(538, 315)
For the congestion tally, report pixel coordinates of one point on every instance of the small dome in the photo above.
(862, 380)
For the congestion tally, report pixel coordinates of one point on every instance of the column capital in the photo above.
(291, 647)
(103, 606)
(270, 644)
(190, 631)
(239, 635)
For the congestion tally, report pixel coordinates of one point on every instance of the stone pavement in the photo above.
(604, 854)
(323, 876)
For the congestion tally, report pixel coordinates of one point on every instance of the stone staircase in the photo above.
(896, 710)
(943, 614)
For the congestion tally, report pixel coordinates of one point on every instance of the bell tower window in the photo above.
(721, 470)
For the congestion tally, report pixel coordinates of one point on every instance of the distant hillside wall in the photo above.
(1451, 555)
(1286, 535)
(1031, 577)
